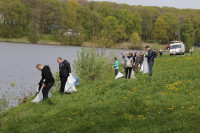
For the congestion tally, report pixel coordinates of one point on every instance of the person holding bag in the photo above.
(64, 71)
(47, 80)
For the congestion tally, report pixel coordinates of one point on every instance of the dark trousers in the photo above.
(136, 67)
(116, 72)
(128, 72)
(45, 90)
(151, 68)
(63, 81)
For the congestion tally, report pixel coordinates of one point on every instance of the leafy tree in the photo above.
(172, 25)
(125, 19)
(137, 20)
(110, 28)
(196, 25)
(69, 14)
(15, 22)
(160, 30)
(188, 33)
(84, 15)
(33, 34)
(97, 23)
(147, 22)
(135, 40)
(50, 16)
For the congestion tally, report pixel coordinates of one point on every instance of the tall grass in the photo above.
(166, 102)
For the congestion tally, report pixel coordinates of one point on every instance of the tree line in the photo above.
(105, 23)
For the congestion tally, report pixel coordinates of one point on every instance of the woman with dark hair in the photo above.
(116, 66)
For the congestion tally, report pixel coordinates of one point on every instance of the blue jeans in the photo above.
(150, 68)
(116, 72)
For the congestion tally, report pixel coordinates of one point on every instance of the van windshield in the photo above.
(175, 46)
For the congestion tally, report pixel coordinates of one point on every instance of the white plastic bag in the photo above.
(39, 97)
(132, 75)
(145, 66)
(119, 75)
(141, 70)
(71, 89)
(70, 82)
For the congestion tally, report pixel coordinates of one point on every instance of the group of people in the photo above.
(132, 62)
(47, 80)
(156, 52)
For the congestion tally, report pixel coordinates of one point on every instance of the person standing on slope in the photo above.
(47, 80)
(64, 71)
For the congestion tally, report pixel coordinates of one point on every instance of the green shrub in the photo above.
(3, 103)
(33, 34)
(89, 65)
(57, 82)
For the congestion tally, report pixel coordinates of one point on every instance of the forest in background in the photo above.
(73, 22)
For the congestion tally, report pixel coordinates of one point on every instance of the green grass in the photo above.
(44, 39)
(22, 40)
(166, 102)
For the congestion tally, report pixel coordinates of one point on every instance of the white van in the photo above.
(177, 48)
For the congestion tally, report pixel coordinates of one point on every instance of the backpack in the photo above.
(129, 62)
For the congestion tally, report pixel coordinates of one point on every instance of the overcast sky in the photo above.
(194, 4)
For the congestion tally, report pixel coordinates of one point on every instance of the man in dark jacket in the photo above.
(150, 56)
(64, 71)
(47, 80)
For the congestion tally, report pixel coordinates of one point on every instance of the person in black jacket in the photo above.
(150, 56)
(64, 71)
(47, 80)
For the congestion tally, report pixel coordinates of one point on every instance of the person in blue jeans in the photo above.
(116, 66)
(150, 56)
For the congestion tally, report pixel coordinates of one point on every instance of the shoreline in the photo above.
(123, 45)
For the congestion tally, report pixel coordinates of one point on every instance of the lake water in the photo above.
(18, 61)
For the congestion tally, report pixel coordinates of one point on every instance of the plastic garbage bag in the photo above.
(77, 82)
(145, 66)
(133, 75)
(71, 89)
(123, 61)
(39, 97)
(70, 82)
(141, 70)
(119, 75)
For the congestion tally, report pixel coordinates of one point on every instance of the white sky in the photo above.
(193, 4)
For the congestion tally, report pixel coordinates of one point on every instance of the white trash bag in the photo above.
(69, 86)
(119, 75)
(145, 66)
(71, 89)
(132, 75)
(39, 97)
(141, 70)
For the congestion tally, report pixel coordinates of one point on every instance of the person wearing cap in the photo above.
(150, 56)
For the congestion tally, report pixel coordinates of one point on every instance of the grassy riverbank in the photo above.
(166, 102)
(49, 40)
